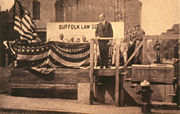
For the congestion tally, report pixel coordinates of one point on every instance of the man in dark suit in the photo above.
(103, 30)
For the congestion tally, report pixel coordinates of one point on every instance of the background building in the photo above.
(44, 11)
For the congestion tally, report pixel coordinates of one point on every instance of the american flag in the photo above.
(24, 24)
(54, 54)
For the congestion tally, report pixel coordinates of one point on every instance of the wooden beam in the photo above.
(105, 72)
(117, 74)
(122, 89)
(162, 37)
(6, 59)
(91, 70)
(178, 85)
(43, 86)
(133, 54)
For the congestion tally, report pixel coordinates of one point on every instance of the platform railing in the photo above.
(93, 63)
(112, 48)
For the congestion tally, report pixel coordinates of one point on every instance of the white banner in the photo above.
(79, 30)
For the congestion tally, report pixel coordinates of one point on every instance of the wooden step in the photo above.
(163, 105)
(43, 86)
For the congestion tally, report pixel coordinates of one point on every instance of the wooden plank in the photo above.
(163, 105)
(117, 74)
(64, 76)
(163, 37)
(43, 86)
(105, 72)
(137, 49)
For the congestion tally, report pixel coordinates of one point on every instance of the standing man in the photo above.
(138, 39)
(103, 30)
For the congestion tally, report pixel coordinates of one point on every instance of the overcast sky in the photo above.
(157, 15)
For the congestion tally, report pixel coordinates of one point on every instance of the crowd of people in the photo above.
(133, 38)
(78, 39)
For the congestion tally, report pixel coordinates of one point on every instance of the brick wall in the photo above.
(132, 13)
(87, 10)
(128, 11)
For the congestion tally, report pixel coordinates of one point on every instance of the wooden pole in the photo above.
(178, 85)
(117, 74)
(122, 88)
(133, 54)
(91, 69)
(6, 59)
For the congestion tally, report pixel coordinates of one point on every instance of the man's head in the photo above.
(138, 27)
(61, 36)
(102, 17)
(72, 39)
(83, 38)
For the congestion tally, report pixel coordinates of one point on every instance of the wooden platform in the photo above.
(17, 78)
(108, 71)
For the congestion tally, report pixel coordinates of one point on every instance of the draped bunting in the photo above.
(54, 54)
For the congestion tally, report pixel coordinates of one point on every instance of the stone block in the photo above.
(158, 73)
(162, 93)
(84, 93)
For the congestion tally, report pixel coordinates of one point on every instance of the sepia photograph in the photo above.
(89, 56)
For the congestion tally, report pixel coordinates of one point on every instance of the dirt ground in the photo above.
(55, 105)
(27, 105)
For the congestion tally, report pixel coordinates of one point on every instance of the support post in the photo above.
(178, 85)
(122, 88)
(117, 74)
(6, 59)
(91, 70)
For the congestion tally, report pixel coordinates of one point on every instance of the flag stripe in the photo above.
(70, 58)
(72, 50)
(23, 27)
(67, 63)
(23, 33)
(24, 24)
(74, 56)
(32, 57)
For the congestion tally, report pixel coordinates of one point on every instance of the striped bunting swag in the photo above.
(24, 24)
(54, 54)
